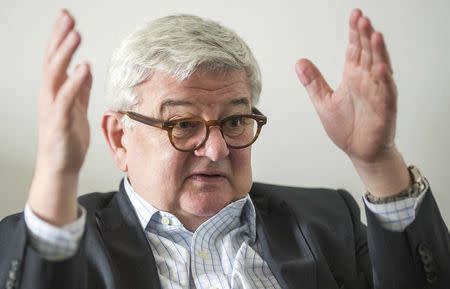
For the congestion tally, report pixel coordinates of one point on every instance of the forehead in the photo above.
(204, 89)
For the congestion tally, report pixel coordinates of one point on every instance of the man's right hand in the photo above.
(63, 127)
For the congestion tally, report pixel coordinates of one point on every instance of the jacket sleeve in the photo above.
(22, 267)
(418, 257)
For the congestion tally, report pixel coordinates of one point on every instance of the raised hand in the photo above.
(360, 115)
(63, 126)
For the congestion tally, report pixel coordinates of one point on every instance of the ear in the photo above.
(114, 133)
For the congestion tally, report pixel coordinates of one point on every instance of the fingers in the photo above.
(62, 26)
(354, 47)
(380, 53)
(365, 32)
(59, 88)
(86, 90)
(63, 44)
(382, 72)
(312, 80)
(77, 86)
(385, 85)
(366, 46)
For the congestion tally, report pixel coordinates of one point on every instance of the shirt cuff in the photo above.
(52, 242)
(396, 216)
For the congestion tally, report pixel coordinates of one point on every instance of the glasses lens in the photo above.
(187, 134)
(239, 130)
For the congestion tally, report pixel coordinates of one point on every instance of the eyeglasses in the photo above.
(188, 134)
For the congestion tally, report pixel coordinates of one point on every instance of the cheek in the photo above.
(241, 159)
(242, 168)
(154, 160)
(171, 165)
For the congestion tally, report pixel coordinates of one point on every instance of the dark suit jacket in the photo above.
(311, 239)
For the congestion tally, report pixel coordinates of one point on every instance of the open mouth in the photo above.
(208, 177)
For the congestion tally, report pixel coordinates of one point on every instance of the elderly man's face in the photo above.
(192, 185)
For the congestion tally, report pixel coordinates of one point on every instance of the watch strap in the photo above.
(413, 191)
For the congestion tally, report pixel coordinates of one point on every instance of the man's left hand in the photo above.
(360, 115)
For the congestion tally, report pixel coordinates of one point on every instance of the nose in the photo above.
(215, 148)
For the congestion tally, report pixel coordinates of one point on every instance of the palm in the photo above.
(359, 116)
(63, 101)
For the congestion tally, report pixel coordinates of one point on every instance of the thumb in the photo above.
(312, 80)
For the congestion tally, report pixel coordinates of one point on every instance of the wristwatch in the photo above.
(419, 183)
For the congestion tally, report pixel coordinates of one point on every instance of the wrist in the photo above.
(53, 197)
(386, 176)
(419, 185)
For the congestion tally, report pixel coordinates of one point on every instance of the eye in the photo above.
(236, 121)
(236, 126)
(185, 124)
(187, 128)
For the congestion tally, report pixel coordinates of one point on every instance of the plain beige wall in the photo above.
(417, 33)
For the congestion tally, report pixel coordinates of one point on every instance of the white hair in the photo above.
(177, 45)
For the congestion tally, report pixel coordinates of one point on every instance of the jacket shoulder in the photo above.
(9, 223)
(95, 201)
(321, 207)
(314, 198)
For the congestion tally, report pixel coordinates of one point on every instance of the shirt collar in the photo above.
(242, 208)
(144, 210)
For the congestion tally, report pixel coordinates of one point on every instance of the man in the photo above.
(181, 123)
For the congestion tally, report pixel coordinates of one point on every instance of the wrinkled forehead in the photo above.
(202, 90)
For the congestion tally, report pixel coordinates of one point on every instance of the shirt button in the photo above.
(165, 221)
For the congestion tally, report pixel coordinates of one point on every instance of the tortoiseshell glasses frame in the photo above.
(188, 134)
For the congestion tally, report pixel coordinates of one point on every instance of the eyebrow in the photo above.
(240, 101)
(173, 103)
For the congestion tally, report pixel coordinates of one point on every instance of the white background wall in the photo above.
(417, 33)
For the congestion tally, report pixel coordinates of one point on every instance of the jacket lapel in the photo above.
(127, 244)
(284, 246)
(283, 242)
